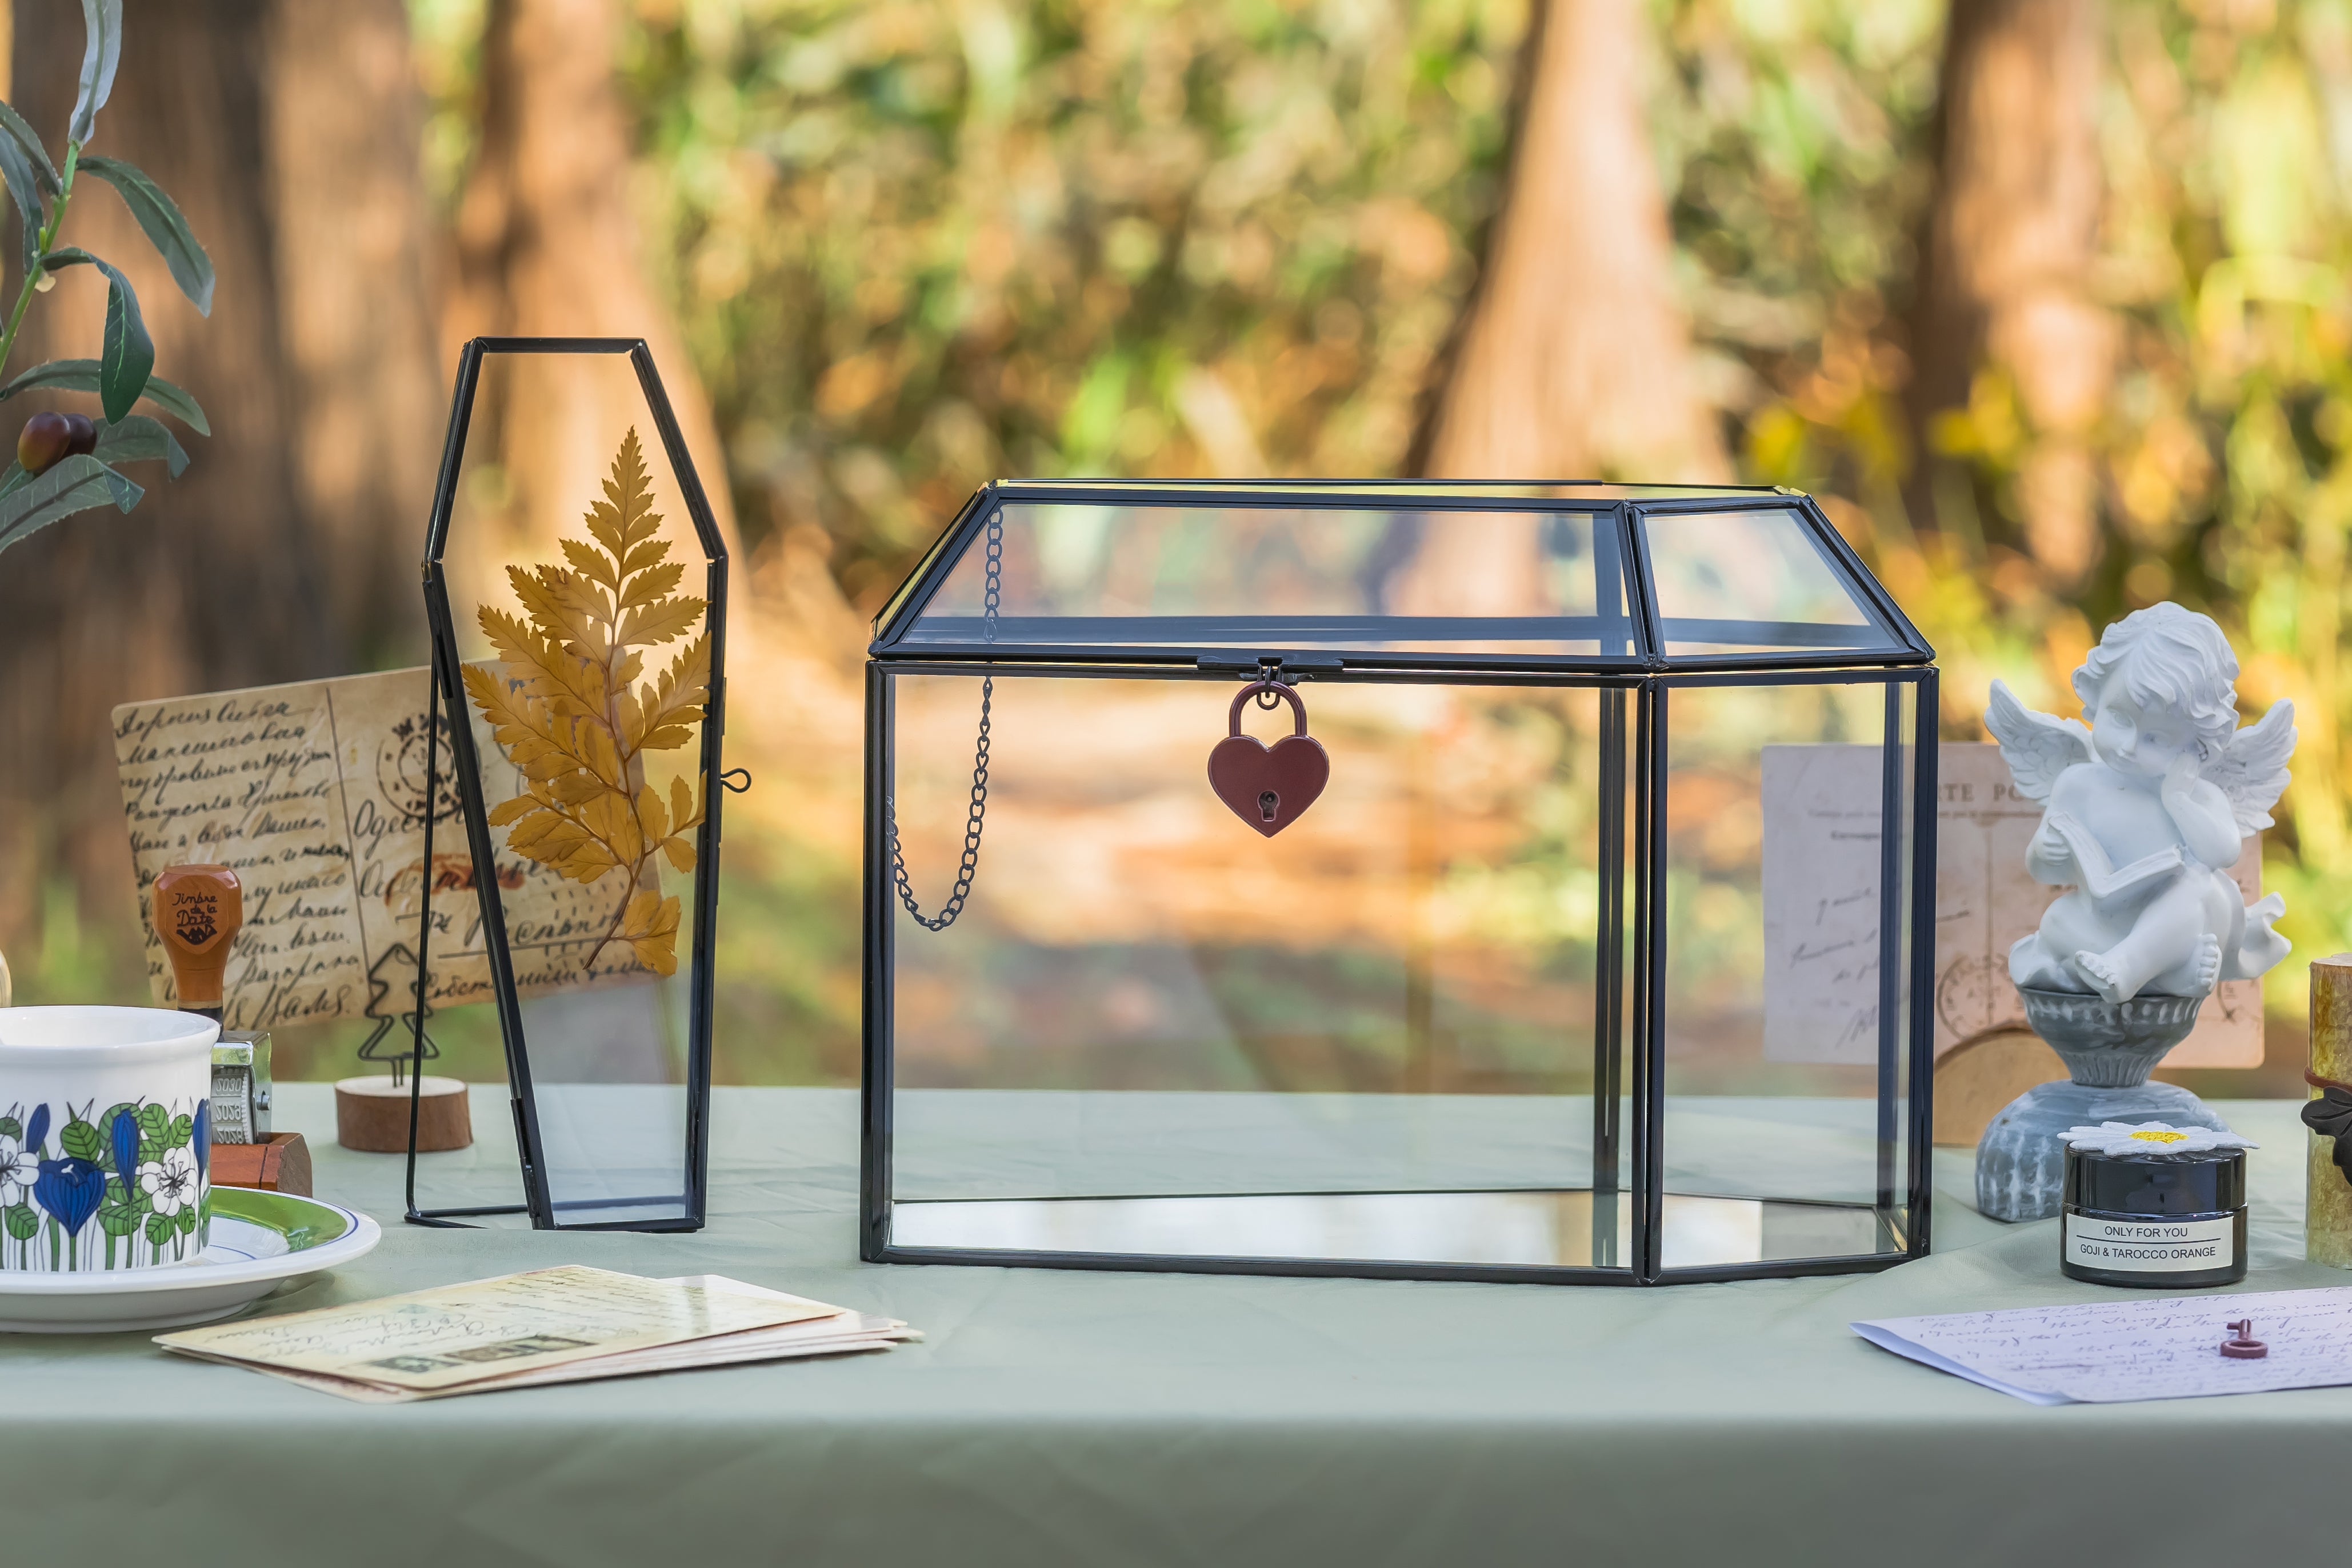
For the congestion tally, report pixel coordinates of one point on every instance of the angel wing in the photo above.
(2037, 747)
(2251, 770)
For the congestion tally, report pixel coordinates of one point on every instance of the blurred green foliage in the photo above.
(1794, 138)
(1802, 140)
(919, 244)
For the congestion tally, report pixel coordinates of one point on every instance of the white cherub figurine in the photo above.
(2143, 814)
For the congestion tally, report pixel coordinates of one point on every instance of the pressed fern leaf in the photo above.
(649, 925)
(570, 713)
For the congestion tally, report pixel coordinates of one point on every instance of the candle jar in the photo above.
(2154, 1206)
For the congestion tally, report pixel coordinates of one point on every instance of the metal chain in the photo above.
(979, 812)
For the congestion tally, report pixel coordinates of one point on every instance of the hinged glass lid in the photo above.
(1757, 581)
(1439, 573)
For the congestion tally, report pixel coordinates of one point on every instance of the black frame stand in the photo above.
(540, 1203)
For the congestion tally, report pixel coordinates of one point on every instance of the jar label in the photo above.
(2149, 1246)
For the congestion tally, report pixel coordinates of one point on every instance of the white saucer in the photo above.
(259, 1241)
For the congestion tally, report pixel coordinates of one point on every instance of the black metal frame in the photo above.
(448, 687)
(1624, 529)
(1640, 679)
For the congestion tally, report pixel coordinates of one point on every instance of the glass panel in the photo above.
(1612, 1092)
(1753, 582)
(1776, 1064)
(606, 1067)
(1154, 1031)
(594, 907)
(1275, 576)
(1894, 1183)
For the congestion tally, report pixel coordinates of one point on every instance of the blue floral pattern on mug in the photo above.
(120, 1190)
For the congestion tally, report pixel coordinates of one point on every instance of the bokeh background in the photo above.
(2046, 299)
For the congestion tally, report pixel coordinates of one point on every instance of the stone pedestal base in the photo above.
(2021, 1165)
(2110, 1048)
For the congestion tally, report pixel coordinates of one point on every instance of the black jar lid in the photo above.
(2211, 1180)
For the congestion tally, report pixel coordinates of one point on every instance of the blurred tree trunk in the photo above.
(2006, 261)
(547, 245)
(357, 308)
(1573, 359)
(287, 132)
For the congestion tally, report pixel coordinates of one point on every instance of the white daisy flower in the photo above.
(169, 1183)
(2113, 1138)
(19, 1166)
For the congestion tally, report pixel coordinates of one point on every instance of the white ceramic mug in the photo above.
(105, 1137)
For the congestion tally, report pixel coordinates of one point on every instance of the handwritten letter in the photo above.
(2112, 1351)
(314, 794)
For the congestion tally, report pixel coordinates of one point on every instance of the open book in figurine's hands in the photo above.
(2100, 874)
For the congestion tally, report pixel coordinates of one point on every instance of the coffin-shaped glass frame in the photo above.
(1678, 1158)
(611, 1087)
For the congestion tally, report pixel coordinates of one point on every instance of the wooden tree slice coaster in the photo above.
(371, 1114)
(1976, 1077)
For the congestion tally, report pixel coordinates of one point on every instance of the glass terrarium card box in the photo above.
(1493, 882)
(576, 589)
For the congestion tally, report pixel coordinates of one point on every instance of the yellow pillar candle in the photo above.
(2328, 1200)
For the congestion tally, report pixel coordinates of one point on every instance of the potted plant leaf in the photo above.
(70, 462)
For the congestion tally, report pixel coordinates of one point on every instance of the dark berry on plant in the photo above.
(84, 439)
(47, 437)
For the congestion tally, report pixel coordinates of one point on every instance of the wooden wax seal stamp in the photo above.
(372, 1115)
(197, 912)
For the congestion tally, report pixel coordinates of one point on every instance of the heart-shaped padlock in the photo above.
(1268, 787)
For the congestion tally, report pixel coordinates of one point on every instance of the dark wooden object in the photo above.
(280, 1164)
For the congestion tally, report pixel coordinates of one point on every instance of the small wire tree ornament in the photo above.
(381, 978)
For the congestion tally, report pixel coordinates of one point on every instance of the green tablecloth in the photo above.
(1056, 1417)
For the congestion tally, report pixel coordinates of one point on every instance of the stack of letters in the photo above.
(554, 1325)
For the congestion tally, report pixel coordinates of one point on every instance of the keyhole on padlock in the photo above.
(1268, 803)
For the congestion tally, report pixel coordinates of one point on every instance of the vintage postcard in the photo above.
(489, 1329)
(314, 794)
(1820, 879)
